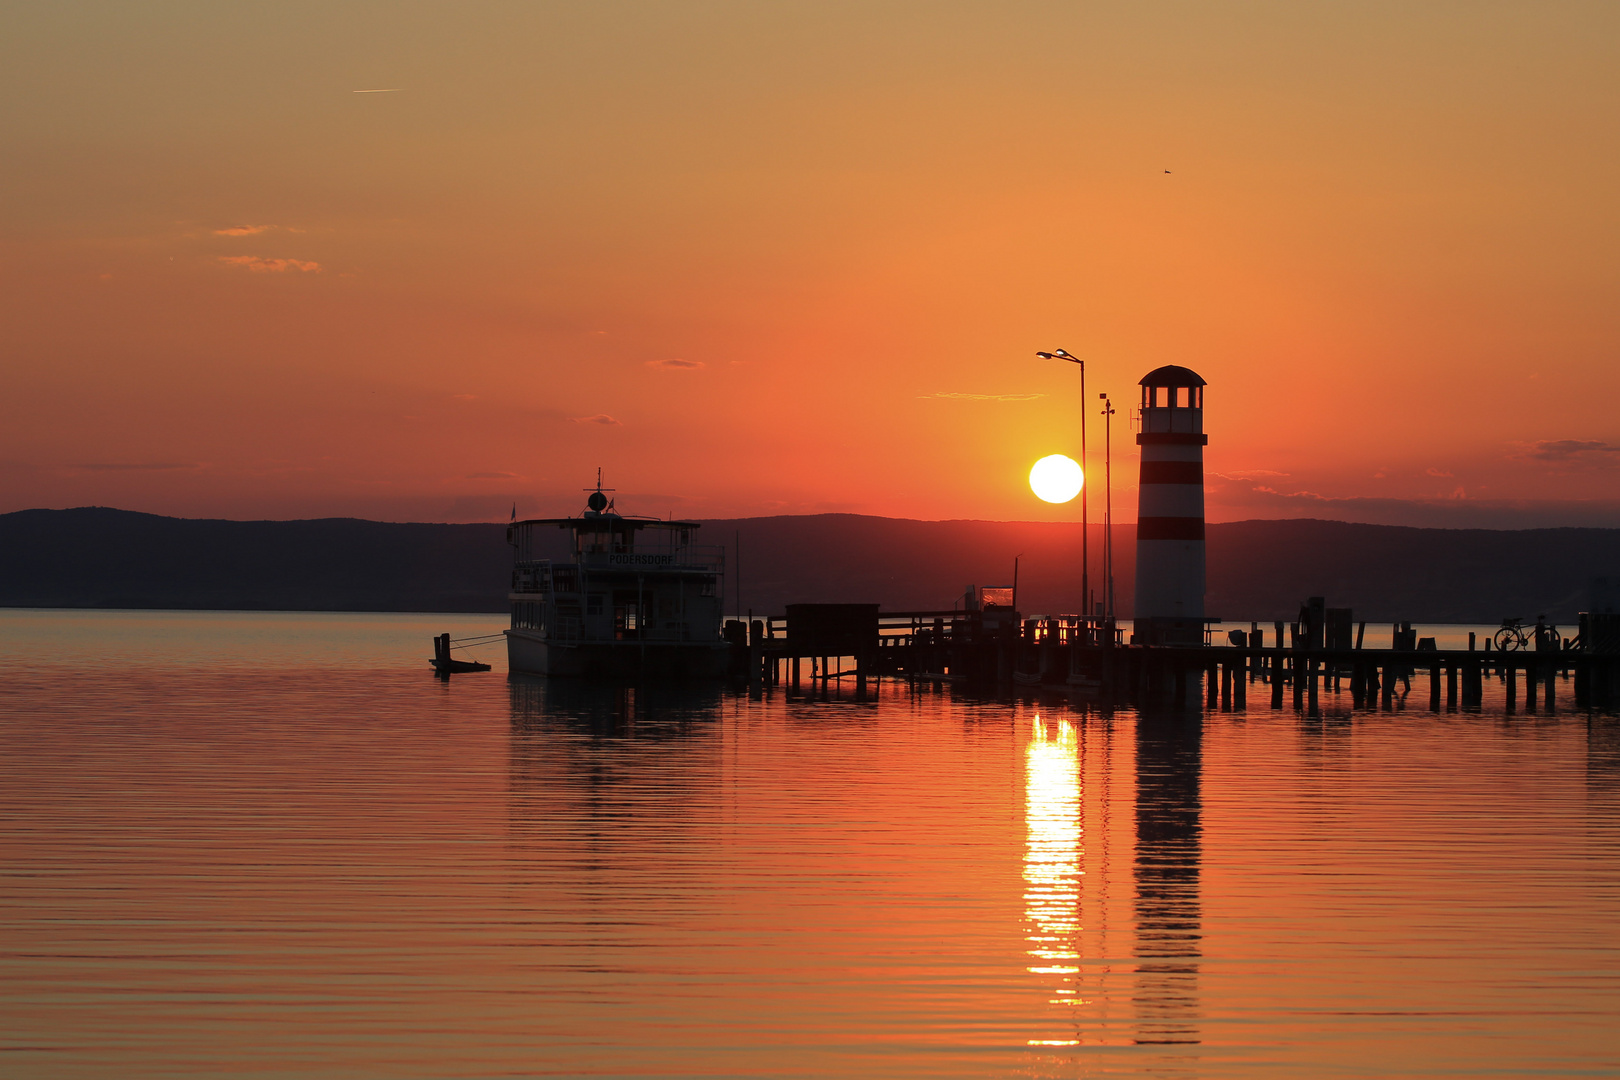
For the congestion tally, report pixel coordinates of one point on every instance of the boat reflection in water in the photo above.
(1069, 793)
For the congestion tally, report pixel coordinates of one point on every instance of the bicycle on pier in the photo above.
(1512, 636)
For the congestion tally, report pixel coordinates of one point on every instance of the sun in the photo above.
(1056, 478)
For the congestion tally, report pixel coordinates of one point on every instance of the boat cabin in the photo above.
(626, 580)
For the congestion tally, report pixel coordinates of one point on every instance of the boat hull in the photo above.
(529, 653)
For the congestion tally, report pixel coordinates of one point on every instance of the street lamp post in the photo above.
(1108, 508)
(1085, 529)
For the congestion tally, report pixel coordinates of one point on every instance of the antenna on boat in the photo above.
(598, 501)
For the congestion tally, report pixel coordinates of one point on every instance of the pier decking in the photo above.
(997, 650)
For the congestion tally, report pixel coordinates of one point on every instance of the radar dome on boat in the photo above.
(597, 502)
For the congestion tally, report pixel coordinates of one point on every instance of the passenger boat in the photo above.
(634, 598)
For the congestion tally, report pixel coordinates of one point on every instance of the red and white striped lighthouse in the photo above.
(1169, 604)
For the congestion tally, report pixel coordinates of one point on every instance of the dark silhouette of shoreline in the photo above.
(104, 558)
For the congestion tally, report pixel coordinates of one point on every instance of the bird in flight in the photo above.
(1167, 172)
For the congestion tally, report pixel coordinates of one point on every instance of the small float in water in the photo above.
(446, 665)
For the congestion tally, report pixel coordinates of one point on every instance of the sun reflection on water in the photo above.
(1052, 859)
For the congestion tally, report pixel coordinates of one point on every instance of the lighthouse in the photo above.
(1170, 510)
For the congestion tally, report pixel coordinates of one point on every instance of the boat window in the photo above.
(593, 604)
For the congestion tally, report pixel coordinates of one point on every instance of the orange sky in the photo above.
(783, 258)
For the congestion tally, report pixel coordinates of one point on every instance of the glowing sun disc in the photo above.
(1056, 478)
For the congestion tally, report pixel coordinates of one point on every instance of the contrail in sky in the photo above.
(391, 90)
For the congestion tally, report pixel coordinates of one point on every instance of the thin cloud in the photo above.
(243, 230)
(600, 418)
(1439, 473)
(981, 397)
(258, 265)
(136, 466)
(1567, 449)
(464, 397)
(1249, 474)
(676, 365)
(493, 476)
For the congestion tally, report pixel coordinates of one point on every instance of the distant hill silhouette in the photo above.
(97, 557)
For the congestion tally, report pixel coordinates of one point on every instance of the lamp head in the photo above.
(1046, 356)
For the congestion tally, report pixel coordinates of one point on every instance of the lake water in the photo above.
(273, 845)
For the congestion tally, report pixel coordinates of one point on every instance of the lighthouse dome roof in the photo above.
(1171, 375)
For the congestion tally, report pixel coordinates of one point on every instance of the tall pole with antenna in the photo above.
(1085, 525)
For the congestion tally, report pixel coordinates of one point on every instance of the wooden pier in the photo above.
(807, 649)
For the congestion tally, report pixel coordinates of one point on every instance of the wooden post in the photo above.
(1434, 688)
(1451, 685)
(1388, 682)
(1226, 685)
(1512, 674)
(1361, 632)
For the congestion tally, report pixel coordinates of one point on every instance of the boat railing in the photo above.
(534, 578)
(566, 630)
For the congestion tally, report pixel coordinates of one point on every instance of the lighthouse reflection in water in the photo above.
(1075, 825)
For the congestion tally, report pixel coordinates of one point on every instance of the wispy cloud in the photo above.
(676, 365)
(600, 418)
(493, 476)
(243, 230)
(1438, 472)
(136, 466)
(258, 265)
(1567, 449)
(981, 397)
(1249, 474)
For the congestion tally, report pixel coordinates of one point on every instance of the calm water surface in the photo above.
(276, 846)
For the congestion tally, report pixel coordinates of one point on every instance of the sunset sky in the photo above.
(791, 258)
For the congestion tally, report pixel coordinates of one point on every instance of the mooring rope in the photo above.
(484, 640)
